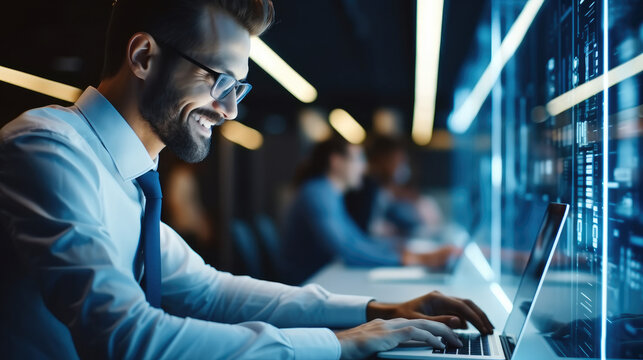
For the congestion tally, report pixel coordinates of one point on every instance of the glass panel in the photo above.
(547, 125)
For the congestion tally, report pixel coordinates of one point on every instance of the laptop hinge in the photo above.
(507, 346)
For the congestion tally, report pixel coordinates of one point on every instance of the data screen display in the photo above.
(564, 122)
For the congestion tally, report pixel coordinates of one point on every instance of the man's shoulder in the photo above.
(48, 121)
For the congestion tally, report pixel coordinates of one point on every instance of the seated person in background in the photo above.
(384, 205)
(318, 228)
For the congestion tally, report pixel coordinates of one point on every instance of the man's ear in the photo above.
(141, 52)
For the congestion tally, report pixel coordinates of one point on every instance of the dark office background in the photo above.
(359, 54)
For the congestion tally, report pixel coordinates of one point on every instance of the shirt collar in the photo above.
(123, 145)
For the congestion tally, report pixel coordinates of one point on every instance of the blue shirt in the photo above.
(70, 217)
(318, 230)
(372, 203)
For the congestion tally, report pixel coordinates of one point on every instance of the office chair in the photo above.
(246, 244)
(271, 243)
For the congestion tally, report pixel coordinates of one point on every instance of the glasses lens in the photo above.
(242, 90)
(225, 84)
(222, 87)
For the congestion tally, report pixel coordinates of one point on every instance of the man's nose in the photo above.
(227, 106)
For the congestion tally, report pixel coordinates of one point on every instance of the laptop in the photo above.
(502, 345)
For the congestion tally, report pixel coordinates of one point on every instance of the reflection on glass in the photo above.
(561, 158)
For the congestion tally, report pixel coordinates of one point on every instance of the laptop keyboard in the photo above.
(474, 344)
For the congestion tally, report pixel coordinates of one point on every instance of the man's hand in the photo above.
(452, 311)
(381, 335)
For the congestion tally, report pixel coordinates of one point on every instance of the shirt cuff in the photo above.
(344, 311)
(313, 343)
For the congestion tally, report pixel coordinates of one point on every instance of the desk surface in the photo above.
(466, 282)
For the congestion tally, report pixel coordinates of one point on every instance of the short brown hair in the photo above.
(174, 22)
(318, 163)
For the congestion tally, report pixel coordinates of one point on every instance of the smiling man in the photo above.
(87, 269)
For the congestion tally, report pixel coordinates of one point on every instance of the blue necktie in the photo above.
(151, 236)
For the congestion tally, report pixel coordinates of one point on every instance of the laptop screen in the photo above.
(539, 259)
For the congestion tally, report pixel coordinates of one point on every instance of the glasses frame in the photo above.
(217, 76)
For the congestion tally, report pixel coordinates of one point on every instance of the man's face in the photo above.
(353, 166)
(176, 97)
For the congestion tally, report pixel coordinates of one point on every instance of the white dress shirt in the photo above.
(70, 218)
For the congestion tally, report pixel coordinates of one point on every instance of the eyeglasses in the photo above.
(224, 84)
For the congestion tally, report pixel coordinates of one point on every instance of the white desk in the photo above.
(466, 282)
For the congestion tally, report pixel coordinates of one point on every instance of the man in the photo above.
(318, 227)
(78, 191)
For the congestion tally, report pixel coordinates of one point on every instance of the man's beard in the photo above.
(159, 106)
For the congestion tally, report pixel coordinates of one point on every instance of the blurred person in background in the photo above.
(385, 204)
(87, 270)
(319, 229)
(185, 211)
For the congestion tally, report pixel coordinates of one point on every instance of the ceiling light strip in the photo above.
(427, 60)
(40, 85)
(241, 134)
(347, 126)
(276, 67)
(586, 90)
